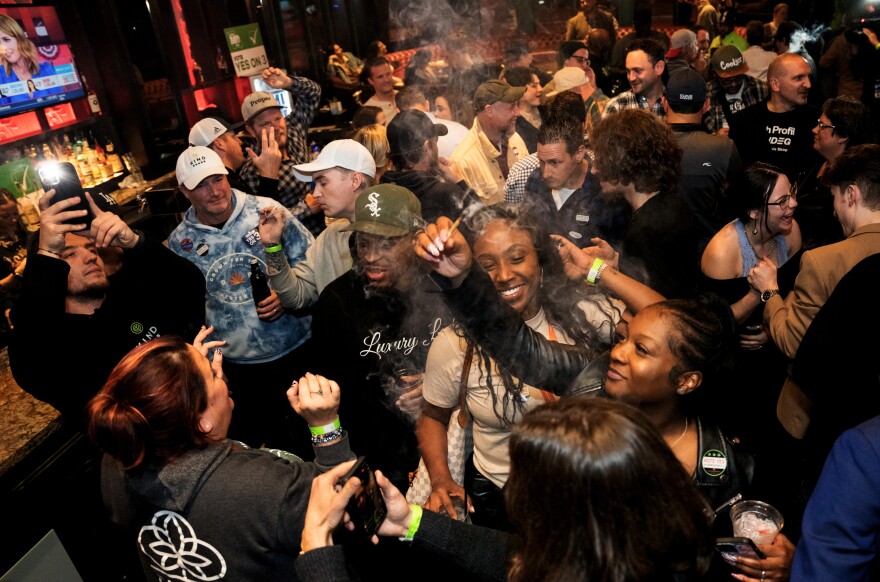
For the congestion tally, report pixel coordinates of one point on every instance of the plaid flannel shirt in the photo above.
(629, 100)
(755, 91)
(291, 192)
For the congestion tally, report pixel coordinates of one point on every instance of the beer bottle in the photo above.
(259, 283)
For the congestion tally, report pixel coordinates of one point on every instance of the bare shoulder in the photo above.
(722, 258)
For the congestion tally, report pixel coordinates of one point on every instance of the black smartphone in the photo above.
(366, 508)
(62, 177)
(730, 548)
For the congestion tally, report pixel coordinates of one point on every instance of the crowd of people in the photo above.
(627, 282)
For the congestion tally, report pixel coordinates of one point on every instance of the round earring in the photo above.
(681, 391)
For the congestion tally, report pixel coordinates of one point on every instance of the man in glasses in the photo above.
(779, 131)
(571, 53)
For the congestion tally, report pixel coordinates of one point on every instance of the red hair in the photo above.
(149, 409)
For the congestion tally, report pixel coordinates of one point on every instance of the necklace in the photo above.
(770, 248)
(684, 432)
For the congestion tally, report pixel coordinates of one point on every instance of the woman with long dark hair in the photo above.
(527, 274)
(594, 494)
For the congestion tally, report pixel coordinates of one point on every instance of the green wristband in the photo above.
(414, 523)
(594, 271)
(319, 430)
(274, 249)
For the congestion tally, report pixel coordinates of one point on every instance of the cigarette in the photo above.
(454, 227)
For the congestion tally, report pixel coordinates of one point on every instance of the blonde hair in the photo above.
(25, 46)
(374, 138)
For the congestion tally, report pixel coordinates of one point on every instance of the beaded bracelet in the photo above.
(321, 439)
(319, 430)
(274, 249)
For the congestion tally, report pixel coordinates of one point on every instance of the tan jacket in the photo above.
(477, 158)
(787, 319)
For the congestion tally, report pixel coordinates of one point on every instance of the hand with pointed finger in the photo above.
(109, 230)
(204, 347)
(575, 261)
(268, 163)
(53, 229)
(315, 398)
(327, 503)
(448, 255)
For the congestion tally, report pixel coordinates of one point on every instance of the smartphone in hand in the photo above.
(62, 177)
(731, 548)
(366, 508)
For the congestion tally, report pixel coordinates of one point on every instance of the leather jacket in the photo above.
(722, 469)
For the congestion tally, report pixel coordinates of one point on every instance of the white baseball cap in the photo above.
(197, 163)
(342, 153)
(568, 78)
(207, 130)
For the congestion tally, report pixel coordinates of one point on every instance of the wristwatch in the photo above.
(766, 295)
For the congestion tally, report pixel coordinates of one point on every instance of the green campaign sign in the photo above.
(246, 48)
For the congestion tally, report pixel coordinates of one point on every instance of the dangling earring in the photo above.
(756, 227)
(542, 278)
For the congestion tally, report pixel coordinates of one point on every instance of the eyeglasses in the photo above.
(784, 201)
(582, 60)
(823, 126)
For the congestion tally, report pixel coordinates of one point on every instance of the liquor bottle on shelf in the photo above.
(113, 158)
(220, 61)
(48, 153)
(197, 73)
(94, 104)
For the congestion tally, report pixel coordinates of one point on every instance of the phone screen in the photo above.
(731, 548)
(366, 508)
(62, 177)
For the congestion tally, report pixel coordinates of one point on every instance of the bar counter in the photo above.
(25, 422)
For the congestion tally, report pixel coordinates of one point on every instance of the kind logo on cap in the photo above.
(197, 161)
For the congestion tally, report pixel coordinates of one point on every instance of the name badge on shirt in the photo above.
(251, 237)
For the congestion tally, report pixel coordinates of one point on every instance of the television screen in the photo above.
(36, 65)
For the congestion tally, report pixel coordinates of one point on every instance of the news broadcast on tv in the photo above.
(36, 64)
